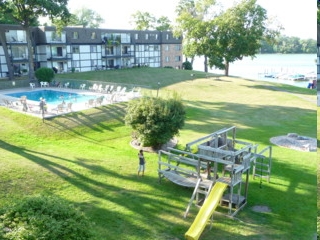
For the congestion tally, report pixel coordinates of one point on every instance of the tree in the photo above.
(86, 18)
(163, 24)
(191, 24)
(318, 12)
(308, 45)
(146, 21)
(155, 120)
(237, 33)
(143, 20)
(26, 14)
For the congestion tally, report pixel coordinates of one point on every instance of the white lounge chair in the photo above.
(134, 93)
(118, 89)
(99, 89)
(123, 91)
(90, 103)
(106, 88)
(8, 103)
(111, 89)
(99, 100)
(94, 87)
(82, 86)
(69, 107)
(32, 85)
(60, 108)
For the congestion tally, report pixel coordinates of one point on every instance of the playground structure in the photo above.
(217, 166)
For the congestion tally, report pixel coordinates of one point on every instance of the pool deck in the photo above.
(33, 107)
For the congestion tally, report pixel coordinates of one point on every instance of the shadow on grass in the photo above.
(254, 120)
(95, 119)
(282, 88)
(140, 207)
(150, 207)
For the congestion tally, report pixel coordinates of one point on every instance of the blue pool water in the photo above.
(53, 96)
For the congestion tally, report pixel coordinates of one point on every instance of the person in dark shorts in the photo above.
(142, 163)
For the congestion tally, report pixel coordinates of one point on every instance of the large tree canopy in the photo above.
(147, 21)
(223, 36)
(27, 12)
(236, 33)
(86, 18)
(191, 24)
(143, 20)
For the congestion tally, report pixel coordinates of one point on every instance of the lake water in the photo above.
(264, 64)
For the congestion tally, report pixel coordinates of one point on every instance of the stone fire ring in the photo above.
(296, 142)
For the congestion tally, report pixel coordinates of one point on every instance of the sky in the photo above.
(297, 17)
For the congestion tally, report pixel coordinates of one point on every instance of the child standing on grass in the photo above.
(142, 163)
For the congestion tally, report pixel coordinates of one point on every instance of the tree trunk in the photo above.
(226, 70)
(192, 60)
(30, 53)
(205, 64)
(3, 42)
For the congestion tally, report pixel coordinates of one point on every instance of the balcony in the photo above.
(56, 41)
(19, 59)
(59, 58)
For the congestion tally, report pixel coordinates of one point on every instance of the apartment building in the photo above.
(86, 49)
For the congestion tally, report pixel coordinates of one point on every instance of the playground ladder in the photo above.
(199, 189)
(262, 164)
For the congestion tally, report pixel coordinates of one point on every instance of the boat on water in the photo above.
(292, 76)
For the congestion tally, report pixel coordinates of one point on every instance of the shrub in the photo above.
(47, 218)
(44, 74)
(155, 120)
(187, 65)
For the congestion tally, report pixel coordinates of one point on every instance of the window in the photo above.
(136, 36)
(177, 58)
(93, 49)
(154, 36)
(93, 35)
(177, 47)
(75, 35)
(109, 50)
(18, 51)
(75, 64)
(167, 36)
(147, 36)
(57, 52)
(125, 38)
(56, 36)
(75, 49)
(125, 50)
(167, 59)
(166, 47)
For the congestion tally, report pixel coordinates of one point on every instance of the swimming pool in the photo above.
(54, 97)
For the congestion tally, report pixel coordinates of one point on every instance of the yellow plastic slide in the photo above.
(206, 211)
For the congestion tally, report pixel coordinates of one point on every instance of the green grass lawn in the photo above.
(86, 158)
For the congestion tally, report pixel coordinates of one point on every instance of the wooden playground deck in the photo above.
(186, 180)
